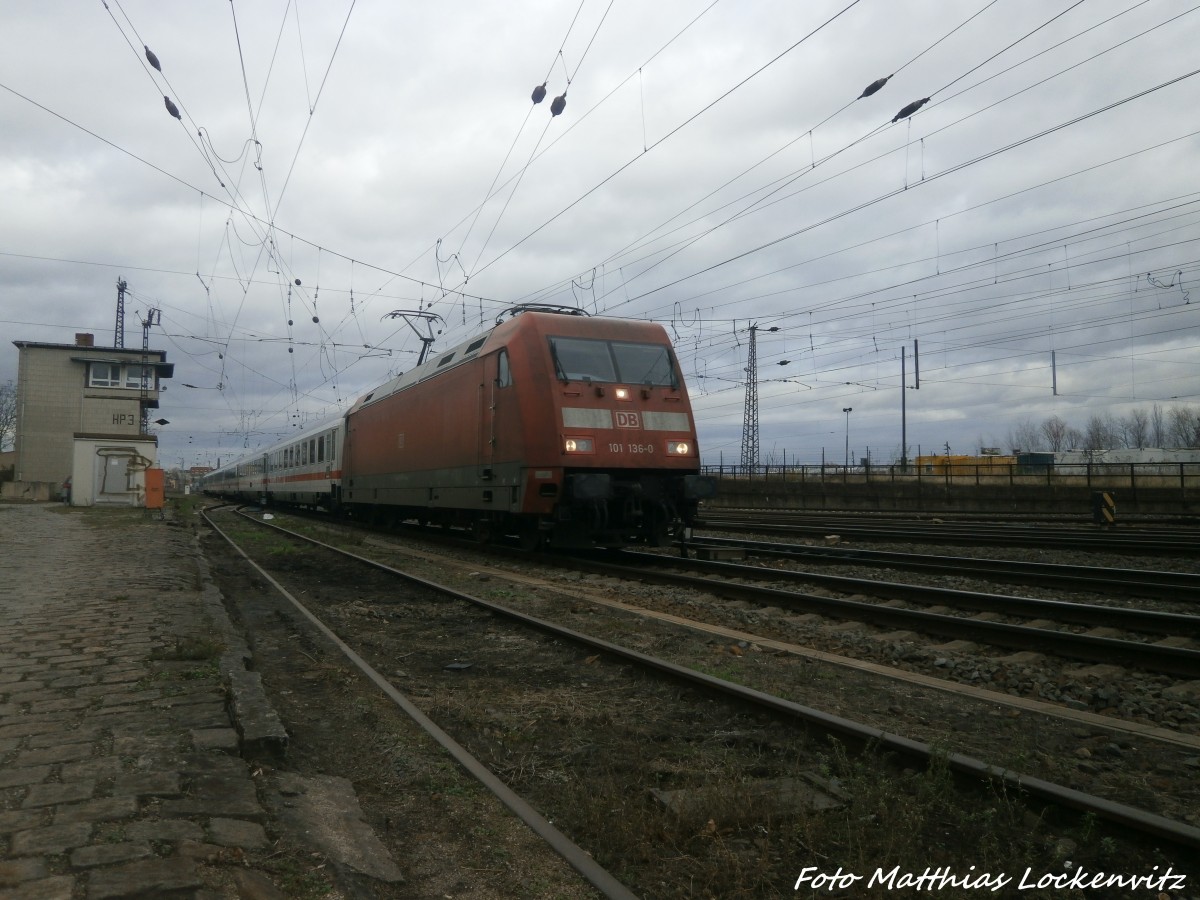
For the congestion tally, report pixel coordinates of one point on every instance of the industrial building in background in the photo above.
(82, 417)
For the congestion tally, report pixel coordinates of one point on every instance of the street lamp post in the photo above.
(847, 410)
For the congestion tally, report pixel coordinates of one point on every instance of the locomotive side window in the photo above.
(578, 359)
(503, 372)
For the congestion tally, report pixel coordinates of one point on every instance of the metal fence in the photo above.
(1184, 475)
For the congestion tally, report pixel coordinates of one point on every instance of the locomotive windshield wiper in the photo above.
(558, 367)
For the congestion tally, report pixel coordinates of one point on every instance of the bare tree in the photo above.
(1100, 433)
(1184, 427)
(1025, 437)
(1158, 426)
(1055, 431)
(1135, 428)
(8, 415)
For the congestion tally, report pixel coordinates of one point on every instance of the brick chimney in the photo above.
(84, 340)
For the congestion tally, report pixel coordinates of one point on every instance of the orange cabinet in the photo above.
(154, 489)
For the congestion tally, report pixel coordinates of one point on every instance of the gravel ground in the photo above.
(774, 650)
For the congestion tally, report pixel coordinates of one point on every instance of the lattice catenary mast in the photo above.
(750, 422)
(119, 330)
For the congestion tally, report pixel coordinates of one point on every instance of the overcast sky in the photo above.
(1032, 229)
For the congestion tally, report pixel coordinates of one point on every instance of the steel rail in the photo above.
(1142, 620)
(1124, 541)
(1001, 523)
(1152, 657)
(579, 859)
(1145, 822)
(1155, 583)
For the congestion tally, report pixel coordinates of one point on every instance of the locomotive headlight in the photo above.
(678, 448)
(622, 393)
(578, 445)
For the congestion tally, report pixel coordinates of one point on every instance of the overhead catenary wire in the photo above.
(671, 133)
(758, 203)
(948, 171)
(722, 302)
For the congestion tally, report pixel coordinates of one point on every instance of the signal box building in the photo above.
(80, 410)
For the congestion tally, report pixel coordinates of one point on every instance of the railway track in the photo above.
(1121, 539)
(733, 578)
(1174, 586)
(913, 752)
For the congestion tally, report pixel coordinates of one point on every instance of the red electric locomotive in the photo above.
(563, 428)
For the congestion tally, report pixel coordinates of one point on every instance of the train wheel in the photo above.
(530, 535)
(482, 529)
(659, 532)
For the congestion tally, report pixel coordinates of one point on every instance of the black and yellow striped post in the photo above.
(1104, 508)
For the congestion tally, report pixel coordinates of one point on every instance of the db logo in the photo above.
(628, 420)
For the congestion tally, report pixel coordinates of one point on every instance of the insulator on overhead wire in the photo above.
(909, 110)
(539, 93)
(559, 104)
(172, 108)
(153, 60)
(873, 87)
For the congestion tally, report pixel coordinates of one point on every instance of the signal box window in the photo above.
(104, 375)
(133, 376)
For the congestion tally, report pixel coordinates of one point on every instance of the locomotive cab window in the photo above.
(580, 359)
(503, 372)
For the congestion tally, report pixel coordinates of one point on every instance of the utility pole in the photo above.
(152, 318)
(750, 420)
(847, 410)
(904, 403)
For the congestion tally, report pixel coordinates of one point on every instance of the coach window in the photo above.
(312, 450)
(503, 373)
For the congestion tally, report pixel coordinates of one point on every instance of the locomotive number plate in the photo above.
(630, 448)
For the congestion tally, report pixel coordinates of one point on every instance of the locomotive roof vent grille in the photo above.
(445, 359)
(475, 345)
